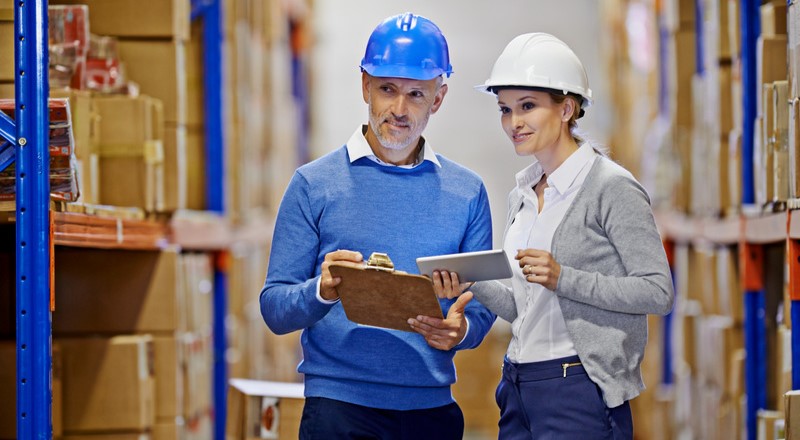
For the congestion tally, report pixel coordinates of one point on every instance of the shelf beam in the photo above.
(793, 269)
(210, 11)
(750, 28)
(34, 363)
(8, 130)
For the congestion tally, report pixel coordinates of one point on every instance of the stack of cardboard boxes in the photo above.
(136, 342)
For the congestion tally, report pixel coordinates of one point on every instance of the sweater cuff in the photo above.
(566, 281)
(323, 300)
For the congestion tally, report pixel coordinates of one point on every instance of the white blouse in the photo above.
(539, 332)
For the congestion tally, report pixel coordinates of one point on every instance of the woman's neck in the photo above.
(552, 158)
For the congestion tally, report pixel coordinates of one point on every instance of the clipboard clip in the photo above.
(380, 261)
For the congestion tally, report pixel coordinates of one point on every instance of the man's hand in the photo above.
(446, 284)
(539, 267)
(444, 334)
(328, 283)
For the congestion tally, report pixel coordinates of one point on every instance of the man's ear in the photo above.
(365, 86)
(439, 98)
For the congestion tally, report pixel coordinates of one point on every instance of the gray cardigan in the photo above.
(614, 272)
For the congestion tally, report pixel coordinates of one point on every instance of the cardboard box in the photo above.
(679, 14)
(716, 41)
(771, 61)
(733, 28)
(260, 409)
(196, 169)
(770, 424)
(132, 18)
(108, 383)
(780, 144)
(735, 170)
(773, 19)
(168, 377)
(781, 370)
(8, 389)
(683, 64)
(97, 294)
(791, 403)
(196, 351)
(195, 108)
(85, 128)
(176, 183)
(794, 148)
(110, 436)
(167, 431)
(7, 61)
(131, 153)
(159, 67)
(793, 29)
(7, 90)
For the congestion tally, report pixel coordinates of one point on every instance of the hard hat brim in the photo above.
(487, 89)
(407, 72)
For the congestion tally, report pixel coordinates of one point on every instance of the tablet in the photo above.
(470, 266)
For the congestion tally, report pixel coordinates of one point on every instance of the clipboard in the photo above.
(379, 296)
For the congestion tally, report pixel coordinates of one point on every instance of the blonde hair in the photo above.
(577, 111)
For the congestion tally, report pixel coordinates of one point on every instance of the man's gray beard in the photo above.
(391, 144)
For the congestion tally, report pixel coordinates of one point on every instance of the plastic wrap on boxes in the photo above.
(68, 30)
(63, 179)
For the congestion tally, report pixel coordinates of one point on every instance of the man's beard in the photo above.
(396, 144)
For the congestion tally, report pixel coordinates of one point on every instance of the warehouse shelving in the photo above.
(38, 228)
(30, 133)
(750, 234)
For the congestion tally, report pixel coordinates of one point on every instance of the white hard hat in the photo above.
(539, 60)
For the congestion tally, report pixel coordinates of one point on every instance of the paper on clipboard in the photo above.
(379, 296)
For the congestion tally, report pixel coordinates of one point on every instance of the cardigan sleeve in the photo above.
(497, 297)
(646, 287)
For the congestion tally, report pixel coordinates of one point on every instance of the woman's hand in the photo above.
(539, 267)
(328, 283)
(446, 284)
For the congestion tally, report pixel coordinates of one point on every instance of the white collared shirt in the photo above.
(539, 332)
(358, 147)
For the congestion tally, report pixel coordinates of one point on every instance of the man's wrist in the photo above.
(319, 294)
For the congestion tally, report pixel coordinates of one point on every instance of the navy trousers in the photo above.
(327, 419)
(537, 401)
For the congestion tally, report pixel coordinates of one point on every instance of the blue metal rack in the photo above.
(754, 295)
(30, 135)
(210, 11)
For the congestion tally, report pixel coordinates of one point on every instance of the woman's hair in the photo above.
(557, 97)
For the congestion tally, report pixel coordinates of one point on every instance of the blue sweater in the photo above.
(362, 206)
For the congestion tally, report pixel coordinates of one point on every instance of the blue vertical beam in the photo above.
(795, 310)
(666, 367)
(751, 267)
(793, 270)
(755, 344)
(220, 345)
(212, 16)
(699, 46)
(663, 55)
(34, 393)
(750, 24)
(212, 65)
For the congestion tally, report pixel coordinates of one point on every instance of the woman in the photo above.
(592, 264)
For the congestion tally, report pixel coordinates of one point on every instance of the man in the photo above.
(385, 191)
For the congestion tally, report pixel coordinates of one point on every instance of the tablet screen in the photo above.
(470, 266)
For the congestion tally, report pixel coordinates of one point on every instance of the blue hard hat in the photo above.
(407, 46)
